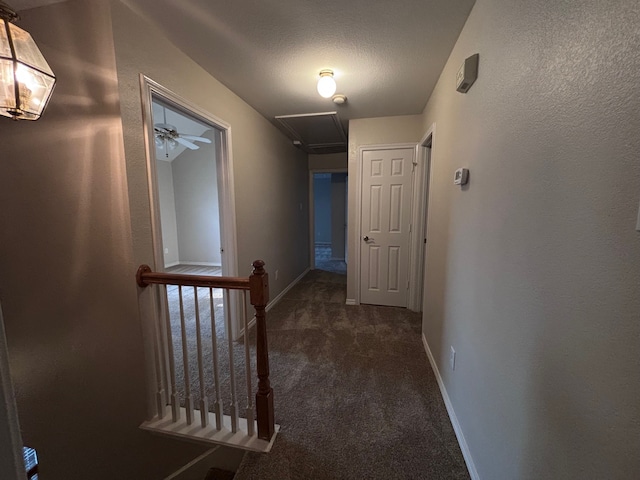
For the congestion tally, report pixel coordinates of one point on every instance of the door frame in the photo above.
(421, 198)
(312, 233)
(226, 193)
(358, 206)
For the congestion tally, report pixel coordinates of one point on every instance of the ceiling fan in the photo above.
(168, 135)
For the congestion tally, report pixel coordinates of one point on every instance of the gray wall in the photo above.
(328, 161)
(338, 217)
(271, 175)
(533, 269)
(168, 213)
(322, 208)
(67, 284)
(196, 202)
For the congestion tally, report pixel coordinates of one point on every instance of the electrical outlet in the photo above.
(276, 274)
(166, 251)
(452, 359)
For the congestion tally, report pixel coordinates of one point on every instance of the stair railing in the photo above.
(257, 284)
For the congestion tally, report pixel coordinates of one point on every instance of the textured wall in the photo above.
(533, 269)
(67, 282)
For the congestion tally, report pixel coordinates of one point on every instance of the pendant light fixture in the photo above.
(26, 80)
(326, 84)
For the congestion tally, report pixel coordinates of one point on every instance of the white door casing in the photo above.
(385, 217)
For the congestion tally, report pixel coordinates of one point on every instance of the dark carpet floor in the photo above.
(354, 393)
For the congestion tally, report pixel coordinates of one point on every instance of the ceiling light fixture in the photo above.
(326, 84)
(26, 80)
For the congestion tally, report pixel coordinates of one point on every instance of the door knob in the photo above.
(365, 238)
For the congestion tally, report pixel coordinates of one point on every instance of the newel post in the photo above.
(259, 293)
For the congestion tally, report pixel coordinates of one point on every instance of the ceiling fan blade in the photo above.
(165, 126)
(193, 138)
(187, 143)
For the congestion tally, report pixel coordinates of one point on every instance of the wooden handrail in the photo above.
(146, 277)
(258, 286)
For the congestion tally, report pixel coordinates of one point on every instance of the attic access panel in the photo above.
(317, 132)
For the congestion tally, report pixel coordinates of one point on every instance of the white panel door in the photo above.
(385, 218)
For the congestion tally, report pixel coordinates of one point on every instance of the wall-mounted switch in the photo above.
(166, 251)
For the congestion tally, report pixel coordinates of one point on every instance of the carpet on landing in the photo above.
(354, 393)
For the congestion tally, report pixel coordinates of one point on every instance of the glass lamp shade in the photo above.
(326, 85)
(26, 80)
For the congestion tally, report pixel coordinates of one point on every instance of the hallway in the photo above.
(354, 394)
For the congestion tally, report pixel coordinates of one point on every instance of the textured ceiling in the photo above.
(387, 55)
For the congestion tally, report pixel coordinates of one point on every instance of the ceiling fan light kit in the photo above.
(326, 84)
(26, 80)
(168, 137)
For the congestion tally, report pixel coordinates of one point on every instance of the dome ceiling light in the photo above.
(326, 84)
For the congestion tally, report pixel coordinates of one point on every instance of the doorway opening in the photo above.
(192, 200)
(421, 214)
(328, 192)
(187, 191)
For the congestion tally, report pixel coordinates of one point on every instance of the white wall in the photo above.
(371, 131)
(168, 219)
(533, 268)
(67, 284)
(195, 183)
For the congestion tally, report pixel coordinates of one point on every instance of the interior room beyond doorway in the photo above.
(330, 221)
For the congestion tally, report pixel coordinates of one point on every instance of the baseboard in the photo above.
(452, 414)
(277, 298)
(172, 264)
(350, 301)
(200, 264)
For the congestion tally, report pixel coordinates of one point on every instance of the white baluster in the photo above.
(185, 363)
(175, 399)
(161, 401)
(217, 404)
(247, 362)
(204, 404)
(232, 373)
